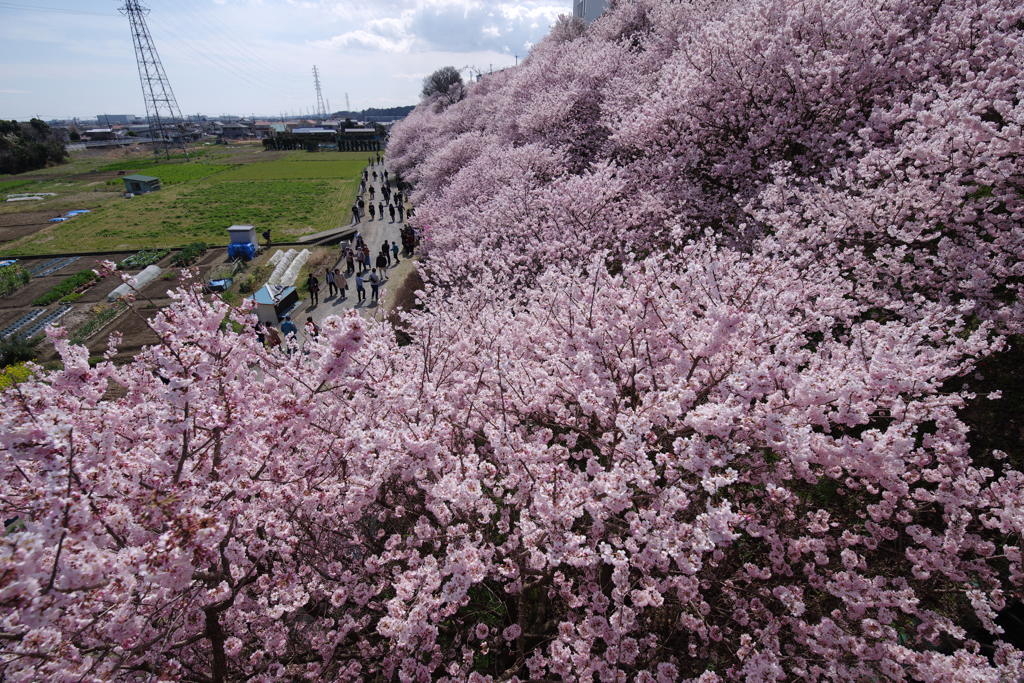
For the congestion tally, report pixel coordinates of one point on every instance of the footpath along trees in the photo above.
(681, 404)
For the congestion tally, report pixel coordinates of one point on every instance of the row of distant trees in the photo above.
(375, 111)
(28, 146)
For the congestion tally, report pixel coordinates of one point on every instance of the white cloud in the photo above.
(9, 91)
(450, 26)
(367, 40)
(412, 77)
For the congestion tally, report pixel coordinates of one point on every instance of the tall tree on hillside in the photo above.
(444, 81)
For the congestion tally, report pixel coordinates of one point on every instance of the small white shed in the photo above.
(242, 234)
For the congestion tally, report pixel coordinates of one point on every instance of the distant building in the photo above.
(235, 131)
(99, 134)
(589, 10)
(141, 184)
(123, 119)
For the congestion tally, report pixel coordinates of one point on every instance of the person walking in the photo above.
(332, 283)
(371, 211)
(378, 158)
(374, 174)
(355, 214)
(380, 209)
(401, 213)
(382, 264)
(366, 257)
(273, 336)
(312, 329)
(394, 250)
(391, 210)
(362, 207)
(369, 161)
(360, 290)
(374, 286)
(313, 284)
(386, 250)
(341, 282)
(350, 258)
(371, 192)
(289, 331)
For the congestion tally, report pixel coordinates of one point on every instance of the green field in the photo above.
(294, 194)
(291, 168)
(183, 173)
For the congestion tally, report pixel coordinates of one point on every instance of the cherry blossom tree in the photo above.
(682, 401)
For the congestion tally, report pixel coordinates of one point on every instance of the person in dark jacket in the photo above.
(313, 284)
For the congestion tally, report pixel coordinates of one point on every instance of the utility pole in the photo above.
(161, 107)
(320, 111)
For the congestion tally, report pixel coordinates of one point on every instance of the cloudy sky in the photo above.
(64, 58)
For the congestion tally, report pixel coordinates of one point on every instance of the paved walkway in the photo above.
(373, 233)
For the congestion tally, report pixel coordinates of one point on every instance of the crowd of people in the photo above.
(392, 197)
(361, 266)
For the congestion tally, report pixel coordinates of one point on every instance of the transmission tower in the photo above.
(348, 106)
(161, 107)
(320, 110)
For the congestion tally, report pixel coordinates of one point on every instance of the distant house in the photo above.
(141, 184)
(235, 131)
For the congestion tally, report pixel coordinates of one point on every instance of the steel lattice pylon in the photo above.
(320, 110)
(161, 107)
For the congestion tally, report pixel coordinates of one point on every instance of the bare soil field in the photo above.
(134, 332)
(15, 225)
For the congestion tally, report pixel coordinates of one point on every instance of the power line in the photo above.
(193, 49)
(197, 26)
(241, 43)
(31, 8)
(198, 51)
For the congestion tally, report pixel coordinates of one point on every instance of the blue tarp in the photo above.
(219, 285)
(69, 214)
(8, 262)
(245, 250)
